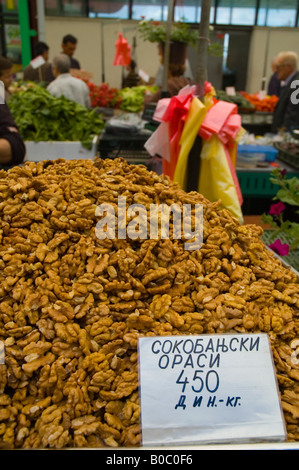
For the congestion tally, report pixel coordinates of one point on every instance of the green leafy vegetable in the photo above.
(132, 98)
(43, 117)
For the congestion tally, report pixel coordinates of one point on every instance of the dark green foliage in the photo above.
(43, 117)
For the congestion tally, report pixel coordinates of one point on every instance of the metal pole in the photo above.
(41, 20)
(201, 77)
(203, 44)
(264, 78)
(102, 52)
(167, 47)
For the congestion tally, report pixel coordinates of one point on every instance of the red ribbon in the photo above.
(175, 115)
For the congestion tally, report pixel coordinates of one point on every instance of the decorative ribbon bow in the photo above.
(218, 123)
(166, 140)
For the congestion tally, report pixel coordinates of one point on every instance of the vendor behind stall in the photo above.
(132, 78)
(176, 81)
(274, 85)
(69, 46)
(42, 73)
(187, 73)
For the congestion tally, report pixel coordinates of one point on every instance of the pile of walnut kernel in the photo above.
(72, 306)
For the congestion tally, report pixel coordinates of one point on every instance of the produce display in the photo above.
(288, 151)
(265, 104)
(128, 99)
(73, 305)
(21, 85)
(249, 102)
(237, 99)
(103, 95)
(290, 147)
(43, 117)
(132, 98)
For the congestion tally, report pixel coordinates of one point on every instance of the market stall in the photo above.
(54, 127)
(116, 141)
(256, 109)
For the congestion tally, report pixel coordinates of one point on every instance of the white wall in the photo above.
(265, 44)
(89, 49)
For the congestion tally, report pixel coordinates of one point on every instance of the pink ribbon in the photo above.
(174, 111)
(223, 119)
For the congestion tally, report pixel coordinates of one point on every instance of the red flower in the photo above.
(282, 249)
(277, 208)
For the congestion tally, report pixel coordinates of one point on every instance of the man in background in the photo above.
(42, 73)
(176, 81)
(274, 86)
(69, 46)
(65, 84)
(132, 78)
(286, 113)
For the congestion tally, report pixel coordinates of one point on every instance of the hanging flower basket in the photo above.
(155, 31)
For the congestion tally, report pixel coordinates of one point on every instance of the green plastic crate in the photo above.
(256, 184)
(287, 157)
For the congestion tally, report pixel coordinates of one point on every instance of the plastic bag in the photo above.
(122, 51)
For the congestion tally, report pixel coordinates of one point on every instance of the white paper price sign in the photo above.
(37, 62)
(208, 389)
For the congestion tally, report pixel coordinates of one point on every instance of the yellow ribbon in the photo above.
(195, 117)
